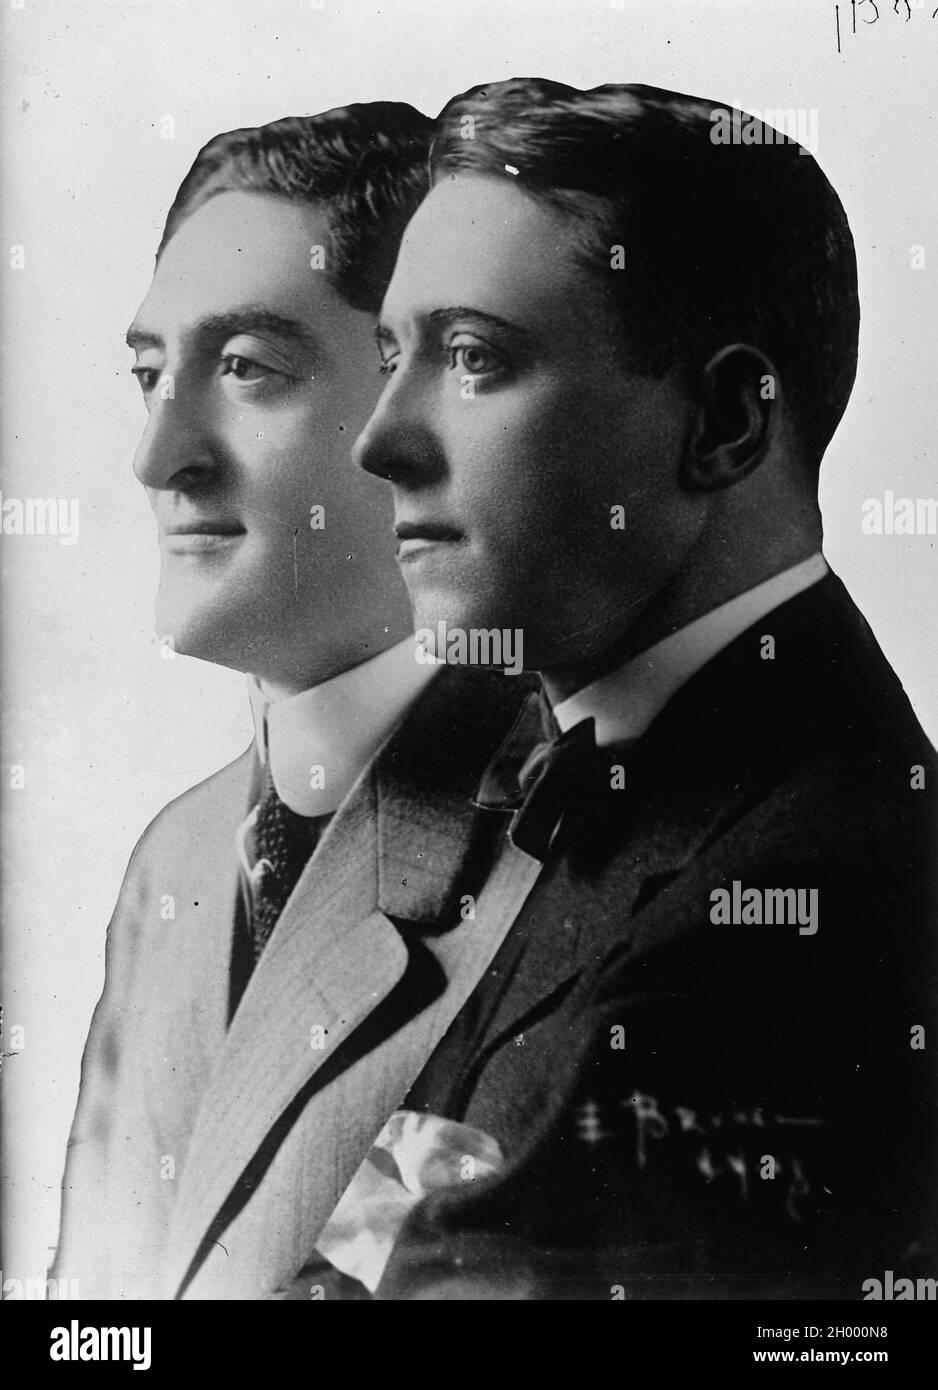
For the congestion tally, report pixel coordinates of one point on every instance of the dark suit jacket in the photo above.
(205, 1159)
(696, 1109)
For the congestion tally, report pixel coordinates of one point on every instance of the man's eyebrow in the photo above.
(137, 337)
(461, 312)
(249, 318)
(457, 313)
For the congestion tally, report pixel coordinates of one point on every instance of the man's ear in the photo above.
(739, 395)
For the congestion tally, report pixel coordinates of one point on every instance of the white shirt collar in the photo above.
(319, 741)
(626, 700)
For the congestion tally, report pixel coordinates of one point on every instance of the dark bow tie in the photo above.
(540, 783)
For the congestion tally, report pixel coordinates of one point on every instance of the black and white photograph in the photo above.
(469, 665)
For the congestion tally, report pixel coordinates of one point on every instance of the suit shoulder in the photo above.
(215, 805)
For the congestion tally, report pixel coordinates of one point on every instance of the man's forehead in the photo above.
(241, 248)
(483, 241)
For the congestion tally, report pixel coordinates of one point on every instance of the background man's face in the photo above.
(272, 376)
(509, 431)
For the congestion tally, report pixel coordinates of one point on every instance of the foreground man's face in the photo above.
(257, 377)
(509, 431)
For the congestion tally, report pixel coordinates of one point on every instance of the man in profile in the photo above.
(704, 1048)
(292, 935)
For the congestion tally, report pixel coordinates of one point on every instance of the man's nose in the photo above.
(175, 448)
(400, 442)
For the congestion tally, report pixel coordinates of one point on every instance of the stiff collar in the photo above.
(626, 700)
(319, 741)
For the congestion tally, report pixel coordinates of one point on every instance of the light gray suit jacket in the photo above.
(205, 1159)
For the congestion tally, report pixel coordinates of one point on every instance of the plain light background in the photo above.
(106, 730)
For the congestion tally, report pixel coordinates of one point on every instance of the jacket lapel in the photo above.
(729, 736)
(408, 880)
(587, 905)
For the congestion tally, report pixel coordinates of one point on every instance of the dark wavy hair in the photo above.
(364, 164)
(722, 242)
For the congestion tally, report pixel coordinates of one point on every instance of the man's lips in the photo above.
(416, 536)
(203, 527)
(193, 537)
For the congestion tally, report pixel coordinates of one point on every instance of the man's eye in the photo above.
(147, 377)
(388, 366)
(244, 368)
(475, 359)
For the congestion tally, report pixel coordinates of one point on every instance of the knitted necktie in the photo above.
(284, 842)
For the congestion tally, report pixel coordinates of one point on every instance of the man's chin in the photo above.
(447, 629)
(188, 634)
